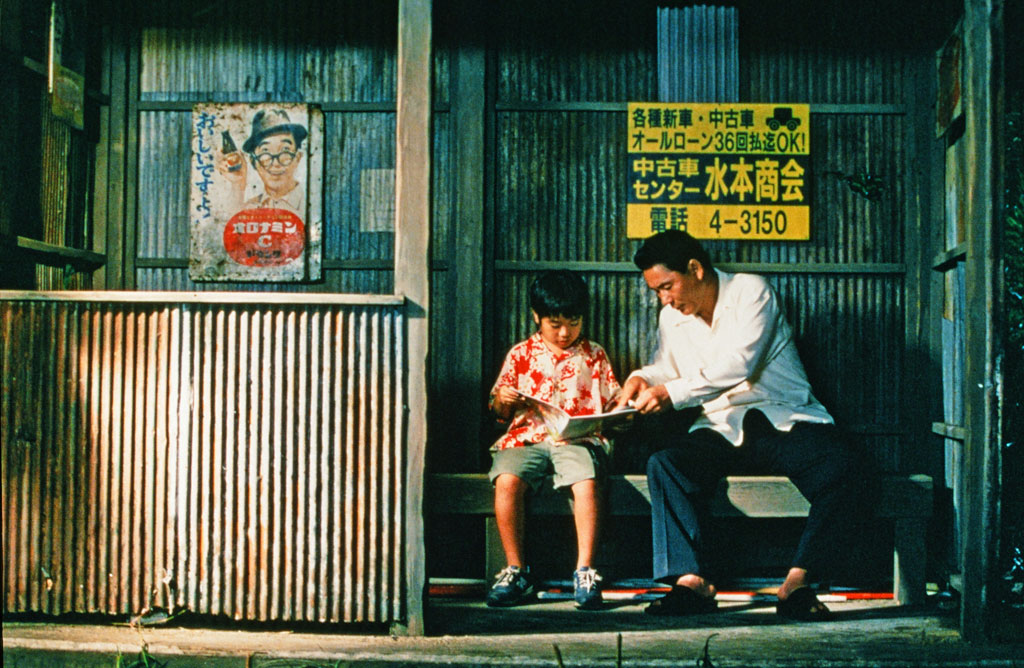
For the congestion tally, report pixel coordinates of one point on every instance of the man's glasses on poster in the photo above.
(284, 158)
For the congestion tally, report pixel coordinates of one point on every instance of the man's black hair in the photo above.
(674, 249)
(559, 292)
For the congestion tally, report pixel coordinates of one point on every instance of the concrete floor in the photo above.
(464, 632)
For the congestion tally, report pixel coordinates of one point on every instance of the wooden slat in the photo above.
(982, 388)
(57, 256)
(614, 107)
(412, 272)
(737, 496)
(171, 297)
(531, 266)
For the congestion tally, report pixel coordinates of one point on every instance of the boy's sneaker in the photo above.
(587, 589)
(510, 587)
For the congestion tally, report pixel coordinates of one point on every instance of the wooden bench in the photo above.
(906, 500)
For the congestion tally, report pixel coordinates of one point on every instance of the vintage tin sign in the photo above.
(255, 192)
(719, 171)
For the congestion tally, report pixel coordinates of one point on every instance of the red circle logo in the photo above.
(264, 237)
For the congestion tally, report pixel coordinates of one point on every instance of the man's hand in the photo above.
(653, 400)
(632, 387)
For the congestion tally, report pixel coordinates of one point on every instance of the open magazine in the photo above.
(563, 426)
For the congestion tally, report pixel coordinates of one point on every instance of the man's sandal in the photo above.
(681, 601)
(803, 606)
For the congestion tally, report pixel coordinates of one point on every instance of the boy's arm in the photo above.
(504, 399)
(608, 384)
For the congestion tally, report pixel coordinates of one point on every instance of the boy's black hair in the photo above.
(559, 292)
(674, 249)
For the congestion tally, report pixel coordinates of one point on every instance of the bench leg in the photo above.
(494, 554)
(908, 568)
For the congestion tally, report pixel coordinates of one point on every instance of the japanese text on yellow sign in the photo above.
(719, 171)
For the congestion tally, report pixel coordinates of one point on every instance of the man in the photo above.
(725, 347)
(274, 149)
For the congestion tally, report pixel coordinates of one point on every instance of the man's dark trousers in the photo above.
(816, 457)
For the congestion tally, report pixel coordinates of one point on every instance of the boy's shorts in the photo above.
(569, 463)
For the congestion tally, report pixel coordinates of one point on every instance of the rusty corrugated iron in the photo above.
(559, 202)
(698, 54)
(236, 460)
(290, 54)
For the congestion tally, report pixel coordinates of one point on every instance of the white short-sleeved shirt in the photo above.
(745, 359)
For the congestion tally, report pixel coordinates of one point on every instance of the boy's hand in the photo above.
(632, 387)
(507, 401)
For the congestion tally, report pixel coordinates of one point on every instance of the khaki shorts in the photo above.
(532, 463)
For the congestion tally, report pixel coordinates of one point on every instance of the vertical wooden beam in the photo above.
(468, 258)
(116, 174)
(412, 272)
(983, 76)
(909, 560)
(101, 168)
(129, 231)
(923, 239)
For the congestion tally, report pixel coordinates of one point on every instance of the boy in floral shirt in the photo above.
(559, 366)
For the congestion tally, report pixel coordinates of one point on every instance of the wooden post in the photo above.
(111, 183)
(412, 274)
(909, 559)
(467, 295)
(983, 81)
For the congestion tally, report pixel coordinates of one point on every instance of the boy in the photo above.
(557, 365)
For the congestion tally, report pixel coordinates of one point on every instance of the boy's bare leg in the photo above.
(509, 504)
(586, 512)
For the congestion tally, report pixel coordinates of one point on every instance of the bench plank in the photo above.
(906, 499)
(736, 496)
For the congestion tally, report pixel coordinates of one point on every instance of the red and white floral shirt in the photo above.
(579, 380)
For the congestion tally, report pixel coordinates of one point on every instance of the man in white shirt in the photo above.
(725, 347)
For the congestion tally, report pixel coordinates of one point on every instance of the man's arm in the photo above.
(742, 351)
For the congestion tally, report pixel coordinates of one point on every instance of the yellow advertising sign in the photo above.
(719, 171)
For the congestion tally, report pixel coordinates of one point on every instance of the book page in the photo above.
(563, 426)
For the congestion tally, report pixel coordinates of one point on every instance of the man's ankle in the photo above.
(796, 578)
(698, 584)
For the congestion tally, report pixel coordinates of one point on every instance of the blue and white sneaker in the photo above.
(511, 587)
(587, 589)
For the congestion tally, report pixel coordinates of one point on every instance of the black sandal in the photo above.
(680, 601)
(803, 606)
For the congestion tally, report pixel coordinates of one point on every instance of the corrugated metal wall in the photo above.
(559, 76)
(243, 460)
(559, 199)
(698, 54)
(340, 57)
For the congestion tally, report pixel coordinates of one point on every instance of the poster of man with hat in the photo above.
(255, 210)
